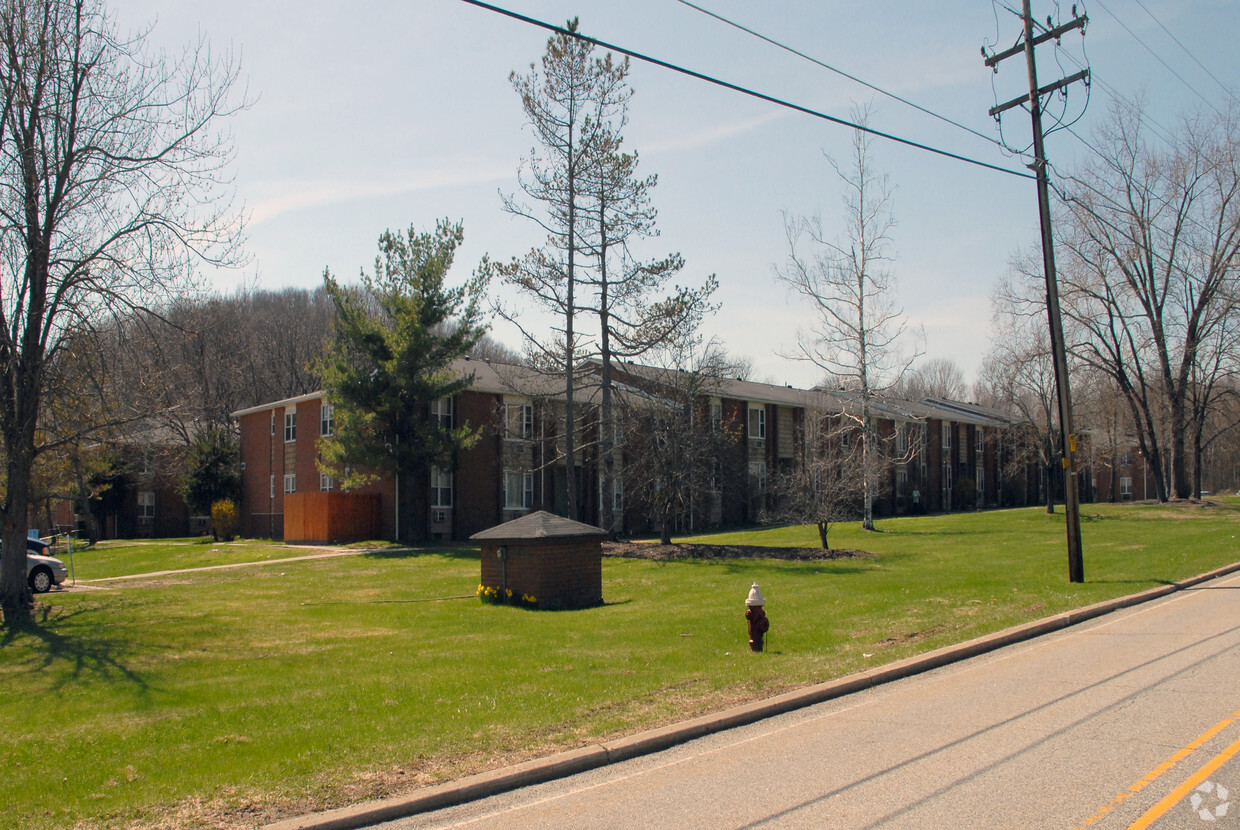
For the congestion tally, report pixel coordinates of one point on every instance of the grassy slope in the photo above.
(297, 685)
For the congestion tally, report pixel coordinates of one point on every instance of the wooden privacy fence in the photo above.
(331, 518)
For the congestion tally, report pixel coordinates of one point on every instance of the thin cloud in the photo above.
(276, 198)
(709, 135)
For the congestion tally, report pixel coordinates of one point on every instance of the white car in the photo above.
(43, 571)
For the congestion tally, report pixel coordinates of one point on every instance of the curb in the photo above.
(582, 759)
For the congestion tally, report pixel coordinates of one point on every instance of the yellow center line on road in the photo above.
(1174, 797)
(1158, 771)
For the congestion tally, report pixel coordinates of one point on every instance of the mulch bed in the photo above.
(644, 550)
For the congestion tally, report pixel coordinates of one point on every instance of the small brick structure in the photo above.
(557, 561)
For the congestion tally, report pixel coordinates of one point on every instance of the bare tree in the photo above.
(856, 322)
(111, 166)
(938, 377)
(825, 485)
(1153, 243)
(1020, 372)
(676, 456)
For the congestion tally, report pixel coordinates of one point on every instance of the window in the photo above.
(979, 439)
(617, 495)
(757, 422)
(947, 476)
(290, 483)
(947, 437)
(716, 415)
(901, 476)
(1125, 488)
(846, 439)
(519, 420)
(757, 473)
(273, 487)
(981, 482)
(146, 506)
(441, 487)
(1125, 458)
(327, 420)
(901, 439)
(441, 413)
(326, 483)
(518, 490)
(290, 425)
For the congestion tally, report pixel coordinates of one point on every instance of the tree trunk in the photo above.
(16, 601)
(823, 527)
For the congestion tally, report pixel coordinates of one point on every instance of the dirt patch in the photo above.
(644, 550)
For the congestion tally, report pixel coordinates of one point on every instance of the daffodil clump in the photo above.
(492, 595)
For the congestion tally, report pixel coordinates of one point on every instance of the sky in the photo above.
(378, 115)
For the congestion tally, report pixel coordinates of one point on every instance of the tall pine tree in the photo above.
(390, 359)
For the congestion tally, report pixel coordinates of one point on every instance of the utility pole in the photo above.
(1072, 504)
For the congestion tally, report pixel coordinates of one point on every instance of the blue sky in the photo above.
(390, 114)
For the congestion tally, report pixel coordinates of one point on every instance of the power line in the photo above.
(744, 90)
(1193, 57)
(1166, 65)
(838, 71)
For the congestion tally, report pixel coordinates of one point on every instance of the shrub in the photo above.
(224, 519)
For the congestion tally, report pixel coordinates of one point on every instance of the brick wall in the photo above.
(559, 573)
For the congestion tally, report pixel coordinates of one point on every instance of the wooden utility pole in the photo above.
(1072, 503)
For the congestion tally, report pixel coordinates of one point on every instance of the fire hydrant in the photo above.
(758, 623)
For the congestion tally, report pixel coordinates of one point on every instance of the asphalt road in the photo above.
(1132, 719)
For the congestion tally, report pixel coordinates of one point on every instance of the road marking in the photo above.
(1175, 796)
(1164, 767)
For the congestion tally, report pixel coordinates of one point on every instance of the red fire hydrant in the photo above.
(758, 623)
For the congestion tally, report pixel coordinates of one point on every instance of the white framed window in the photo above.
(518, 490)
(1125, 488)
(757, 473)
(981, 481)
(273, 486)
(901, 439)
(519, 420)
(979, 439)
(441, 413)
(716, 414)
(146, 505)
(947, 437)
(327, 420)
(290, 482)
(617, 495)
(290, 425)
(757, 422)
(326, 483)
(947, 475)
(441, 487)
(901, 475)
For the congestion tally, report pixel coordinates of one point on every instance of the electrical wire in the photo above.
(1156, 56)
(779, 45)
(1193, 57)
(744, 90)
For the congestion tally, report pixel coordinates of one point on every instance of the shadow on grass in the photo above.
(93, 654)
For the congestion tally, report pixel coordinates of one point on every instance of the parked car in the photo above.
(43, 571)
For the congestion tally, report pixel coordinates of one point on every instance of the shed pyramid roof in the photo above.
(539, 525)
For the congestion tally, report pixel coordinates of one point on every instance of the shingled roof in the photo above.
(539, 525)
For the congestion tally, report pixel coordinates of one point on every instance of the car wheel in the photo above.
(40, 580)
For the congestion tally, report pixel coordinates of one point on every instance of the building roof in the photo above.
(539, 525)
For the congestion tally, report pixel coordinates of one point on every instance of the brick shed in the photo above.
(557, 561)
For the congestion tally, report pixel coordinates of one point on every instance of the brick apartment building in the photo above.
(952, 455)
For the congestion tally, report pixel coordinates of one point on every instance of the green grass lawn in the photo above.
(227, 698)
